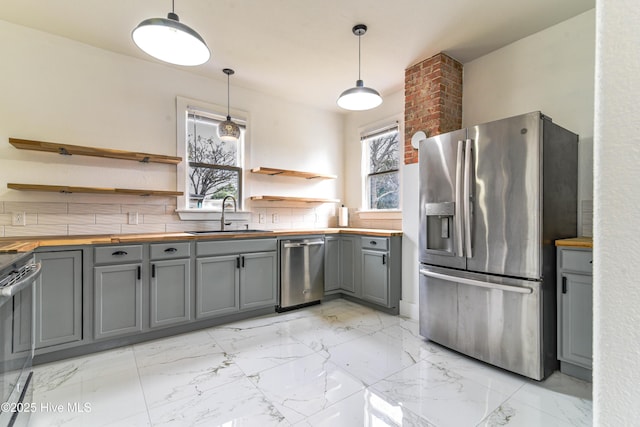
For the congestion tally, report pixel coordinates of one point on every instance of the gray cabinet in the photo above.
(332, 278)
(258, 280)
(375, 276)
(217, 285)
(170, 284)
(22, 321)
(117, 291)
(367, 268)
(58, 302)
(575, 311)
(341, 261)
(349, 261)
(235, 275)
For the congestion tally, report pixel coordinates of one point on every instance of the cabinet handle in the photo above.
(119, 253)
(242, 262)
(373, 242)
(384, 259)
(153, 270)
(564, 285)
(238, 262)
(171, 250)
(139, 273)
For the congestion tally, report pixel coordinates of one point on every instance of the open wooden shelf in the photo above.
(66, 149)
(293, 199)
(295, 174)
(95, 190)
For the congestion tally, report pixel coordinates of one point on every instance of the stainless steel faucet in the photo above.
(235, 209)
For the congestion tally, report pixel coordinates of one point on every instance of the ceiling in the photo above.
(304, 50)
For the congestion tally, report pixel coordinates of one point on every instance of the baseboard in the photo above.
(410, 310)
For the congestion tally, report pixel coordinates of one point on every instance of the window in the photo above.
(214, 166)
(382, 176)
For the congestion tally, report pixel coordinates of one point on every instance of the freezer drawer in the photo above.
(498, 320)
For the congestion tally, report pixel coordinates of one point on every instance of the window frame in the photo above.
(185, 107)
(365, 135)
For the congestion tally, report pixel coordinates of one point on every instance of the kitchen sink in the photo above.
(196, 233)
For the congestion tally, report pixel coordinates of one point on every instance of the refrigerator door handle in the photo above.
(458, 212)
(472, 282)
(468, 159)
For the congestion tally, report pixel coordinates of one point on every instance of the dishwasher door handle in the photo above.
(303, 244)
(22, 283)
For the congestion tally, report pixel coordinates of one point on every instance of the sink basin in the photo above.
(195, 233)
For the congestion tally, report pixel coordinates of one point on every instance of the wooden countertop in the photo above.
(576, 242)
(27, 243)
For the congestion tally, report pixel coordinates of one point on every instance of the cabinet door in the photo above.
(117, 300)
(332, 264)
(348, 269)
(170, 292)
(217, 285)
(375, 276)
(23, 303)
(258, 280)
(58, 303)
(576, 305)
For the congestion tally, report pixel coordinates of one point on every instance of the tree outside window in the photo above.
(382, 180)
(214, 165)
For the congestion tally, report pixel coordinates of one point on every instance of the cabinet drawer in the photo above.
(224, 247)
(380, 243)
(170, 250)
(574, 260)
(119, 254)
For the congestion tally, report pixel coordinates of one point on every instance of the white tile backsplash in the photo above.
(36, 207)
(36, 230)
(103, 218)
(94, 208)
(84, 229)
(44, 219)
(111, 218)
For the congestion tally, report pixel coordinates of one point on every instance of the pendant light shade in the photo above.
(228, 130)
(360, 97)
(171, 41)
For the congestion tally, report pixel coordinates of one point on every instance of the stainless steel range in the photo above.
(17, 275)
(493, 198)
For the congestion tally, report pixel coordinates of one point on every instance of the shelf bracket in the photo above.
(63, 151)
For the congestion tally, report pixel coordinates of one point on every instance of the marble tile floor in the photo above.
(335, 364)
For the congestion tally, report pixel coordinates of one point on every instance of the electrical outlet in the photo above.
(274, 217)
(133, 218)
(261, 218)
(19, 218)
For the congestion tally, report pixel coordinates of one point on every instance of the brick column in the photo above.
(432, 100)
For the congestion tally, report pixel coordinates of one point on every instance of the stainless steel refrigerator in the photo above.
(493, 198)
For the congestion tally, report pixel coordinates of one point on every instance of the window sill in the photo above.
(211, 214)
(380, 214)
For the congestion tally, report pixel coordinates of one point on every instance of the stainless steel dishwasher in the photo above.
(301, 272)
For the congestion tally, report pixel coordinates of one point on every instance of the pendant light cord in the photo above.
(173, 6)
(228, 115)
(359, 36)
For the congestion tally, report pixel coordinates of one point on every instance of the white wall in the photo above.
(551, 71)
(617, 216)
(55, 89)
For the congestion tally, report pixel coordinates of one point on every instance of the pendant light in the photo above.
(171, 41)
(228, 130)
(360, 97)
